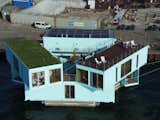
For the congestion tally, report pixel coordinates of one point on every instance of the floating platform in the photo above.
(71, 104)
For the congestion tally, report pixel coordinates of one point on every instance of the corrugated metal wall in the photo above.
(77, 22)
(28, 19)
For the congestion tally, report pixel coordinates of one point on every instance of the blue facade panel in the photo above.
(23, 69)
(23, 3)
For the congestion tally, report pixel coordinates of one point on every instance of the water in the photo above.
(11, 95)
(136, 103)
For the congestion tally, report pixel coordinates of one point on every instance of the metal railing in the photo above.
(113, 60)
(69, 77)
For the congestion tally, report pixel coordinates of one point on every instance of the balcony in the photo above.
(108, 57)
(69, 77)
(132, 79)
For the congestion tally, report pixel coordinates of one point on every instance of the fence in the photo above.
(69, 77)
(113, 60)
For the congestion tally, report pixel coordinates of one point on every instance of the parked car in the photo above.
(130, 27)
(155, 22)
(151, 28)
(125, 27)
(120, 27)
(41, 25)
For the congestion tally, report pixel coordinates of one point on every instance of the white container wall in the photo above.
(81, 44)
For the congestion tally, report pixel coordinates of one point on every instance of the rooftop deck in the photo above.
(111, 56)
(32, 53)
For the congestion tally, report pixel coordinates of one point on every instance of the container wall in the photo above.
(136, 64)
(18, 69)
(4, 2)
(80, 44)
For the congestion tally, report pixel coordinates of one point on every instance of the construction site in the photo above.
(135, 18)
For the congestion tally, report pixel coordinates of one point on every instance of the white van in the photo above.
(41, 25)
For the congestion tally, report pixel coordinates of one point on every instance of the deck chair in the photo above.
(98, 62)
(103, 59)
(133, 43)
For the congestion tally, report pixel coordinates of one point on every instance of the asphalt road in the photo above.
(10, 31)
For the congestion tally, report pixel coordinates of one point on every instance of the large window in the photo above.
(126, 68)
(116, 74)
(83, 76)
(38, 79)
(69, 91)
(97, 80)
(137, 61)
(55, 75)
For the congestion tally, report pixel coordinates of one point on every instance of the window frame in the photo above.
(97, 82)
(69, 91)
(125, 71)
(39, 82)
(80, 76)
(56, 71)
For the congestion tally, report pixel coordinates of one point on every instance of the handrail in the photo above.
(114, 60)
(69, 77)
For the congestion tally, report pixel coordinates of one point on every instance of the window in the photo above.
(38, 79)
(126, 68)
(69, 91)
(55, 75)
(137, 61)
(97, 80)
(83, 76)
(116, 74)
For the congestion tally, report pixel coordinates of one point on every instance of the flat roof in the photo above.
(79, 33)
(112, 55)
(32, 53)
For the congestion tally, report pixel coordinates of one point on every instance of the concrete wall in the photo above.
(28, 19)
(4, 2)
(82, 44)
(78, 22)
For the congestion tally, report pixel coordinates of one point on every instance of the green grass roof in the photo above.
(31, 53)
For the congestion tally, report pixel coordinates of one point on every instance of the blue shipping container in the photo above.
(23, 3)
